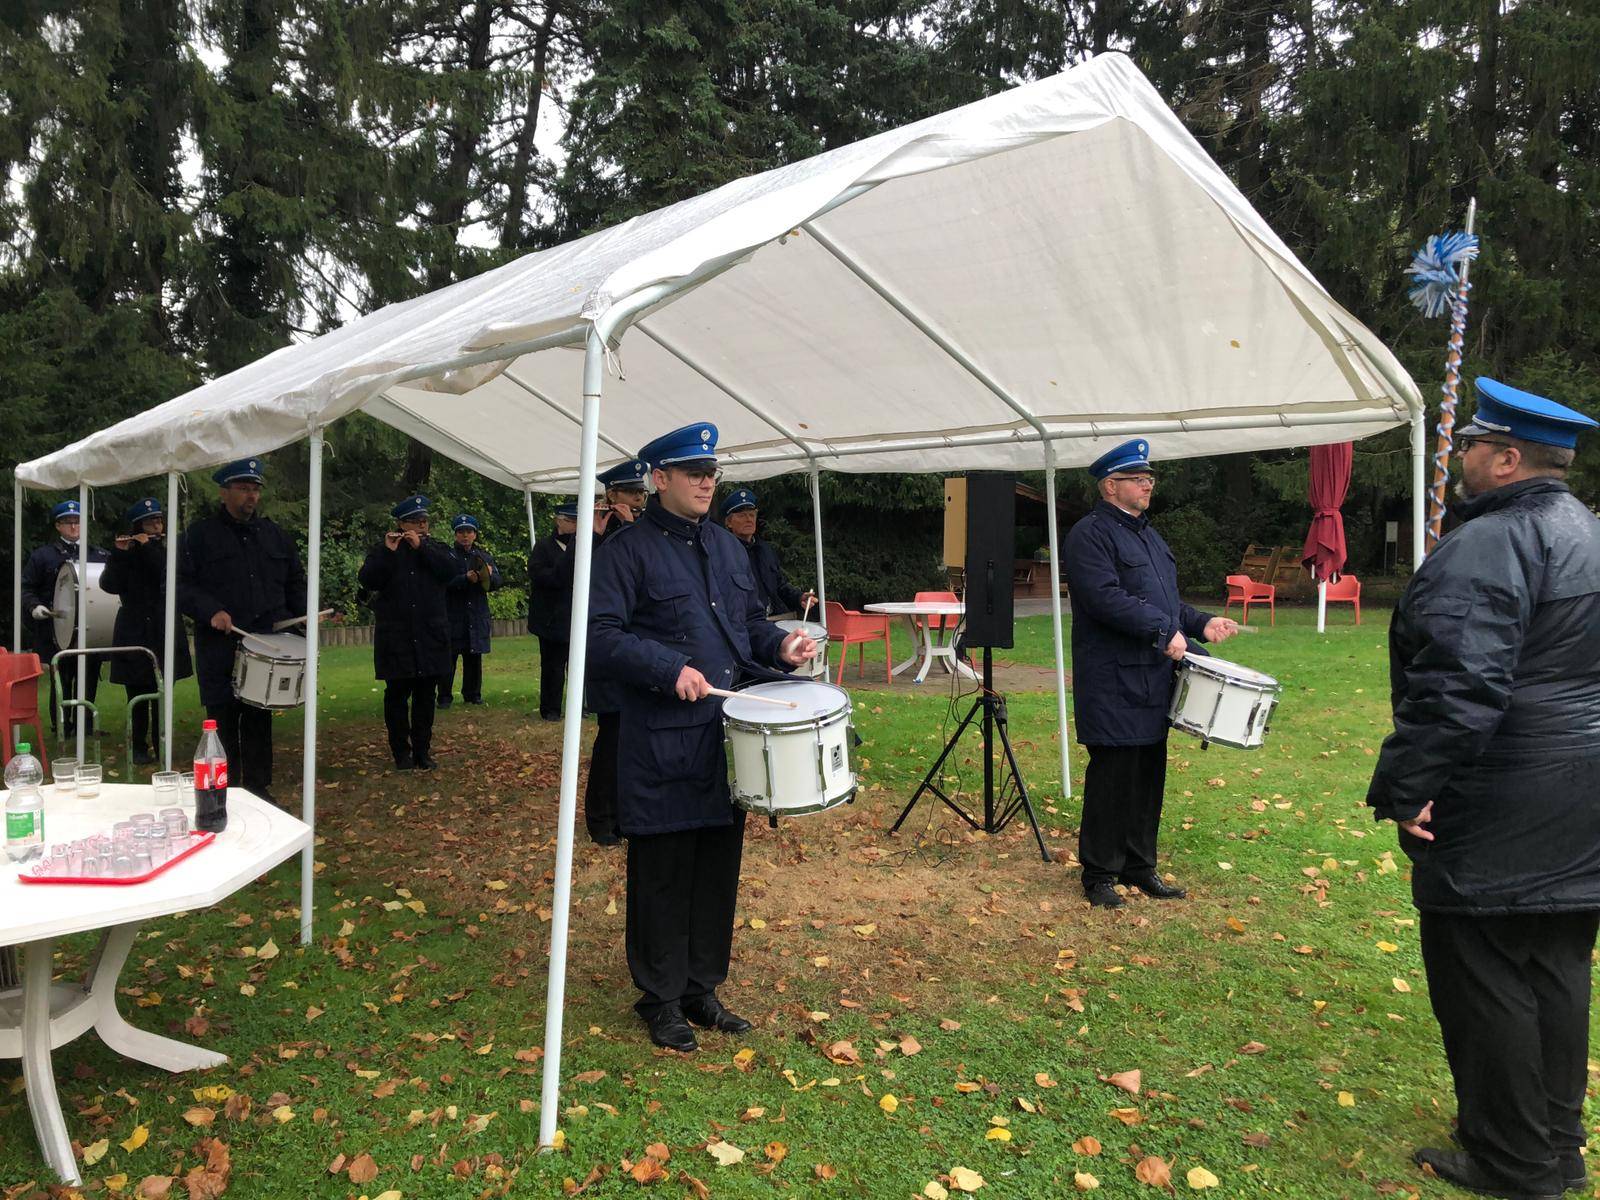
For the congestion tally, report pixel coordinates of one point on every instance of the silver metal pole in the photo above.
(1055, 617)
(533, 530)
(308, 781)
(571, 735)
(171, 620)
(83, 613)
(816, 533)
(1419, 486)
(16, 566)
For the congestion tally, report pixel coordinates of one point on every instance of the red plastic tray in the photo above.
(200, 842)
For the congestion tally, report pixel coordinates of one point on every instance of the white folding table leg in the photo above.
(927, 649)
(911, 625)
(37, 1072)
(128, 1041)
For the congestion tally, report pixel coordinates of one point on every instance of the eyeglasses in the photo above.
(1466, 441)
(702, 474)
(1141, 480)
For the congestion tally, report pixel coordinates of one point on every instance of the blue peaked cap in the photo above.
(568, 510)
(692, 443)
(633, 473)
(1130, 456)
(67, 508)
(411, 506)
(1519, 414)
(244, 468)
(463, 521)
(738, 501)
(148, 507)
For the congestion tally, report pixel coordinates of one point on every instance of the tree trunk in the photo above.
(517, 200)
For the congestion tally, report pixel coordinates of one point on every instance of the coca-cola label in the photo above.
(209, 774)
(219, 773)
(202, 774)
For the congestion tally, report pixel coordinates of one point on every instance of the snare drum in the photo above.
(790, 761)
(1220, 701)
(102, 608)
(817, 668)
(269, 670)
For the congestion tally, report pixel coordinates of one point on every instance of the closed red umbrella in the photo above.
(1325, 550)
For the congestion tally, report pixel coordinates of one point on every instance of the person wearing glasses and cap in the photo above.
(407, 574)
(467, 602)
(627, 487)
(778, 595)
(137, 572)
(674, 613)
(38, 601)
(1129, 632)
(237, 570)
(1494, 668)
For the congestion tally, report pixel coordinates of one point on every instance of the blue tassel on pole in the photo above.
(1435, 271)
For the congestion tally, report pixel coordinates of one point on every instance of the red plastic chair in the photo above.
(847, 627)
(19, 703)
(949, 620)
(1244, 590)
(1346, 589)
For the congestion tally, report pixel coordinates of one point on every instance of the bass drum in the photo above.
(102, 608)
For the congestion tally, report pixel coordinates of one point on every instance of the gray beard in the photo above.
(1462, 491)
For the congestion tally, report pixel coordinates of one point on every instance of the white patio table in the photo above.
(941, 647)
(42, 1015)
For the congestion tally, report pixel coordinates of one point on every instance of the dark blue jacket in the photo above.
(411, 633)
(39, 587)
(248, 569)
(466, 602)
(670, 593)
(1125, 609)
(139, 575)
(777, 594)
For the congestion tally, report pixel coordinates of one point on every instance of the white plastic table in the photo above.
(42, 1015)
(941, 647)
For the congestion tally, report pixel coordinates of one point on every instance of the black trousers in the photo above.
(1512, 997)
(471, 677)
(145, 719)
(69, 691)
(600, 792)
(552, 675)
(682, 888)
(408, 714)
(246, 733)
(1122, 793)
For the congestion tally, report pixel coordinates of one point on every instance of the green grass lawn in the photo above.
(1279, 1018)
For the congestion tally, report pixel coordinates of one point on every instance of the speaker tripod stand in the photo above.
(992, 708)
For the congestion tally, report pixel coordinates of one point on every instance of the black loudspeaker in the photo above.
(991, 546)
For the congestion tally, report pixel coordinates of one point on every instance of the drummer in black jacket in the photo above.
(674, 612)
(38, 601)
(237, 570)
(407, 572)
(138, 573)
(778, 595)
(1494, 665)
(1130, 630)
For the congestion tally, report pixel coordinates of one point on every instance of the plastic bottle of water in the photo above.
(24, 806)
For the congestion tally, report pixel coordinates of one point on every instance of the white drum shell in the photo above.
(1231, 709)
(791, 764)
(103, 608)
(274, 680)
(817, 668)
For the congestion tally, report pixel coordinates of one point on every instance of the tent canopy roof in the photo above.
(1060, 261)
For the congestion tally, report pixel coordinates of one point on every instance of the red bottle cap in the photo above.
(210, 724)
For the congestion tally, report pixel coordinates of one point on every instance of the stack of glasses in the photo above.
(133, 847)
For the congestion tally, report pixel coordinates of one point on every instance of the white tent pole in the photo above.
(169, 620)
(816, 533)
(308, 781)
(1419, 486)
(1322, 606)
(82, 716)
(571, 735)
(1055, 617)
(16, 566)
(533, 530)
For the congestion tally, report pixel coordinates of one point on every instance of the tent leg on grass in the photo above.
(1055, 617)
(308, 782)
(83, 714)
(169, 620)
(816, 534)
(16, 566)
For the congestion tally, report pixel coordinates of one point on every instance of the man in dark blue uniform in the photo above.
(550, 604)
(237, 570)
(777, 594)
(467, 602)
(1494, 667)
(137, 572)
(407, 573)
(675, 613)
(1129, 632)
(38, 599)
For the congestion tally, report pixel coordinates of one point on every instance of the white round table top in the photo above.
(917, 608)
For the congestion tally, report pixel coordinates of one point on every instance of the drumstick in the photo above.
(282, 625)
(751, 696)
(806, 612)
(254, 637)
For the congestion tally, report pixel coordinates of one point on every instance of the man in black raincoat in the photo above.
(1491, 773)
(38, 601)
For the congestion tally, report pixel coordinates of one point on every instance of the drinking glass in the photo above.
(88, 779)
(65, 773)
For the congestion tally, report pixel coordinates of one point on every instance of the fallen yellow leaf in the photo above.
(1199, 1177)
(934, 1190)
(1400, 985)
(139, 1136)
(1346, 1100)
(866, 930)
(1388, 947)
(95, 1151)
(964, 1180)
(268, 950)
(1084, 1182)
(888, 1103)
(757, 923)
(283, 1114)
(997, 1134)
(726, 1153)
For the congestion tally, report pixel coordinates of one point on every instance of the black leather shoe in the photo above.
(604, 838)
(1574, 1171)
(707, 1012)
(444, 702)
(1153, 886)
(403, 762)
(1460, 1168)
(1103, 895)
(472, 699)
(426, 761)
(669, 1030)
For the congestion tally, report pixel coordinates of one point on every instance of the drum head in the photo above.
(813, 701)
(810, 628)
(1231, 670)
(66, 606)
(284, 645)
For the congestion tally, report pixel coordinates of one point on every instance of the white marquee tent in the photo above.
(1015, 284)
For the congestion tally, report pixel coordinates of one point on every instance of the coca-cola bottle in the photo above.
(210, 782)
